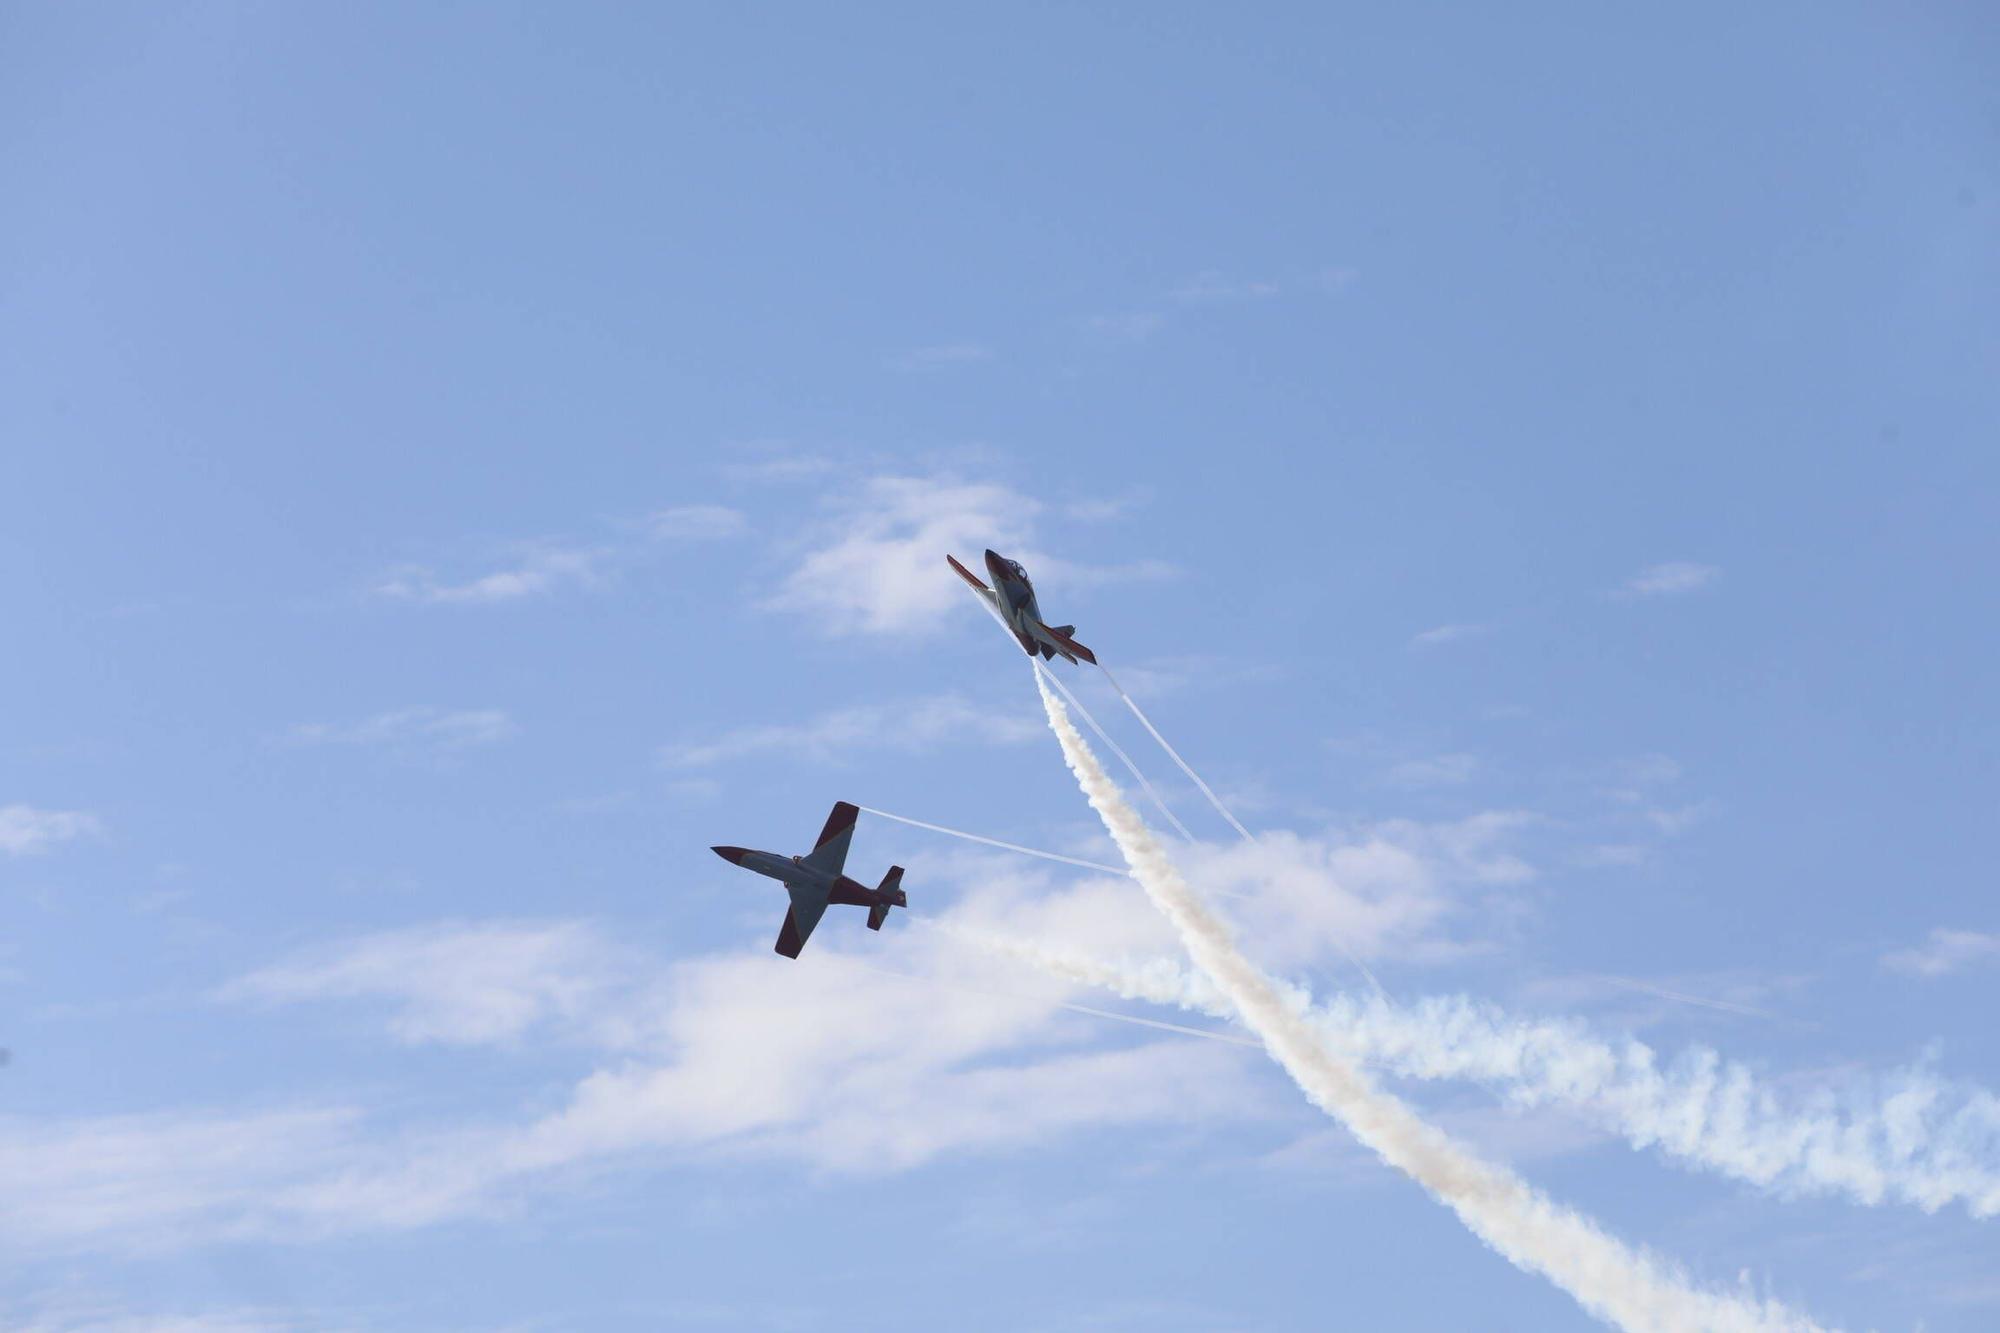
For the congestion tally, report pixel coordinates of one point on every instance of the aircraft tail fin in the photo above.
(891, 889)
(1064, 630)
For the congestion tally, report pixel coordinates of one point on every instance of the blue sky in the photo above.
(461, 463)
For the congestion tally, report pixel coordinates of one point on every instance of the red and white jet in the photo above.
(1014, 598)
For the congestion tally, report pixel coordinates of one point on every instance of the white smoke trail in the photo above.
(995, 842)
(1908, 1137)
(1175, 755)
(1612, 1281)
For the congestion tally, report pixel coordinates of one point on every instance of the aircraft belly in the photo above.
(808, 905)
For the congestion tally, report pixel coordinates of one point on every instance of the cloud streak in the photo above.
(27, 830)
(413, 728)
(1440, 635)
(1670, 579)
(697, 523)
(940, 356)
(836, 1066)
(876, 566)
(453, 983)
(1945, 952)
(910, 727)
(540, 571)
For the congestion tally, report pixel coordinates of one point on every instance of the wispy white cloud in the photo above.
(1300, 900)
(1945, 952)
(1443, 770)
(834, 1064)
(454, 983)
(778, 464)
(26, 830)
(1610, 855)
(881, 566)
(1106, 509)
(908, 726)
(876, 564)
(412, 729)
(1672, 821)
(1212, 285)
(150, 1181)
(697, 523)
(1378, 891)
(1669, 579)
(940, 356)
(539, 570)
(70, 1313)
(1649, 770)
(1131, 326)
(1443, 634)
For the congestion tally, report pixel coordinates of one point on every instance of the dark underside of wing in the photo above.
(807, 907)
(830, 852)
(789, 939)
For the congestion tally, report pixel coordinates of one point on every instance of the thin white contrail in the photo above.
(1175, 755)
(1907, 1137)
(1208, 1034)
(1611, 1280)
(1119, 871)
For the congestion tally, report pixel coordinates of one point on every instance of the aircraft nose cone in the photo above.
(733, 855)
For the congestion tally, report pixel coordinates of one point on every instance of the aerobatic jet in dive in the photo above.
(1014, 598)
(814, 880)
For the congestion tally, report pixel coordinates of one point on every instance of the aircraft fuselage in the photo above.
(1015, 594)
(792, 871)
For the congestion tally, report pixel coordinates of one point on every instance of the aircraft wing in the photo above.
(830, 852)
(1065, 644)
(803, 915)
(973, 579)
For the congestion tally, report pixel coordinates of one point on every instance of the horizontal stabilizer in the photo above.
(891, 887)
(1069, 647)
(892, 895)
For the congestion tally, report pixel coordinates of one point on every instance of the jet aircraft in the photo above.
(814, 880)
(1014, 598)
